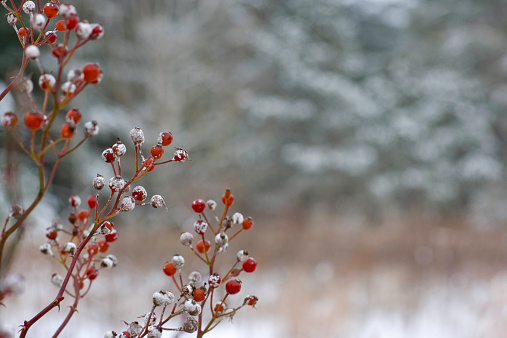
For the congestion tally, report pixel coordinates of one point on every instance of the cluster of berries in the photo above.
(196, 291)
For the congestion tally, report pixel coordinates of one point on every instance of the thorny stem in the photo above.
(72, 310)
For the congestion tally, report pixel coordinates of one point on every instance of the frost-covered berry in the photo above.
(211, 204)
(127, 204)
(29, 7)
(237, 218)
(97, 31)
(67, 11)
(113, 259)
(165, 138)
(242, 255)
(110, 334)
(47, 82)
(192, 307)
(70, 248)
(116, 183)
(150, 318)
(186, 238)
(194, 277)
(16, 211)
(83, 30)
(190, 325)
(74, 75)
(11, 19)
(221, 239)
(9, 120)
(134, 329)
(108, 155)
(46, 249)
(50, 37)
(220, 307)
(68, 88)
(75, 201)
(200, 227)
(119, 148)
(26, 86)
(139, 193)
(99, 182)
(32, 52)
(163, 298)
(157, 201)
(154, 332)
(214, 280)
(38, 22)
(250, 300)
(91, 128)
(180, 155)
(137, 136)
(178, 261)
(106, 263)
(57, 280)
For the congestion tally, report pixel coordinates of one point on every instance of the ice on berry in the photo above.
(116, 183)
(91, 128)
(57, 280)
(137, 136)
(163, 298)
(200, 226)
(127, 204)
(32, 52)
(178, 261)
(29, 7)
(186, 238)
(157, 201)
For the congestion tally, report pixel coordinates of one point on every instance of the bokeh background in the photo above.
(366, 138)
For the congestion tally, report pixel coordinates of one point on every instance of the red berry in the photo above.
(72, 22)
(103, 245)
(59, 51)
(50, 37)
(198, 205)
(93, 249)
(199, 294)
(92, 72)
(74, 201)
(92, 201)
(33, 120)
(92, 273)
(250, 300)
(247, 223)
(67, 131)
(200, 246)
(139, 193)
(108, 155)
(233, 286)
(51, 10)
(73, 115)
(112, 237)
(169, 269)
(157, 152)
(22, 32)
(165, 138)
(83, 215)
(249, 265)
(61, 26)
(9, 120)
(228, 200)
(180, 155)
(51, 233)
(97, 32)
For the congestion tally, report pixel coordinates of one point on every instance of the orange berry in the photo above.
(33, 120)
(67, 131)
(169, 269)
(199, 294)
(200, 246)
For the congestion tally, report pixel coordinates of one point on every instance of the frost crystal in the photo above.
(47, 80)
(66, 11)
(69, 248)
(68, 87)
(106, 263)
(11, 19)
(75, 75)
(190, 326)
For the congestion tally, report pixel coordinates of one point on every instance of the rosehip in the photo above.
(22, 32)
(250, 300)
(60, 26)
(51, 10)
(247, 223)
(157, 152)
(165, 138)
(92, 273)
(108, 155)
(201, 245)
(180, 155)
(198, 205)
(103, 245)
(139, 193)
(33, 120)
(112, 237)
(83, 215)
(67, 131)
(169, 269)
(75, 201)
(249, 265)
(233, 286)
(59, 51)
(91, 72)
(51, 233)
(228, 199)
(9, 120)
(97, 31)
(73, 116)
(72, 22)
(199, 294)
(92, 201)
(50, 37)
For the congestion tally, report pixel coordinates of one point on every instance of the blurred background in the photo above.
(366, 138)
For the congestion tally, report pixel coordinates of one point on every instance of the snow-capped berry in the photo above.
(221, 239)
(157, 201)
(108, 155)
(68, 131)
(68, 88)
(202, 245)
(16, 211)
(113, 236)
(249, 265)
(169, 269)
(223, 248)
(116, 183)
(26, 86)
(72, 22)
(75, 75)
(242, 255)
(98, 182)
(198, 205)
(11, 19)
(192, 307)
(9, 120)
(139, 193)
(47, 82)
(32, 52)
(214, 280)
(237, 218)
(150, 318)
(194, 277)
(186, 238)
(180, 155)
(219, 307)
(50, 37)
(46, 249)
(57, 280)
(38, 21)
(83, 31)
(178, 261)
(134, 329)
(33, 120)
(165, 138)
(91, 128)
(113, 259)
(106, 263)
(75, 201)
(51, 10)
(119, 148)
(70, 248)
(157, 151)
(247, 223)
(190, 325)
(91, 72)
(67, 11)
(163, 298)
(29, 7)
(110, 334)
(137, 136)
(211, 204)
(250, 300)
(73, 115)
(92, 273)
(127, 204)
(154, 332)
(199, 294)
(233, 286)
(51, 233)
(200, 226)
(59, 51)
(93, 249)
(97, 31)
